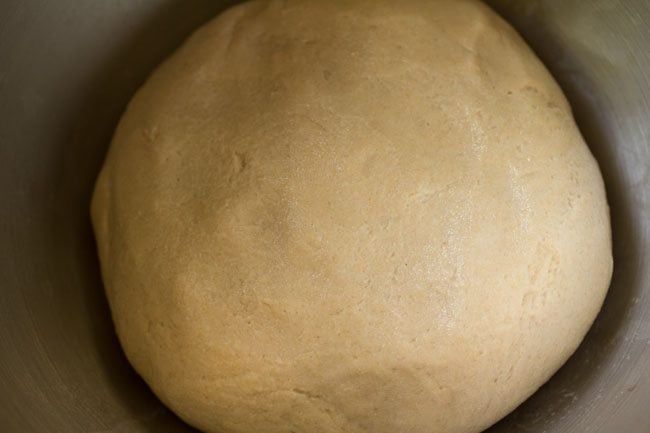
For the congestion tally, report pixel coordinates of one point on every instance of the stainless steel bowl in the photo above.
(68, 68)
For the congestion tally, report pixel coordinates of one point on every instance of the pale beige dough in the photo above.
(362, 216)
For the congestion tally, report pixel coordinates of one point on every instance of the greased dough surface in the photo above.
(351, 217)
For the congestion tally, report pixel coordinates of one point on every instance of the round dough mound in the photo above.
(363, 216)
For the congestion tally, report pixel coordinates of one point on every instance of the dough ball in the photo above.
(363, 216)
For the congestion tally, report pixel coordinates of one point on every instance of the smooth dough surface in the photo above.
(362, 216)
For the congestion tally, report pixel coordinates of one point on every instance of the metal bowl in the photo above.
(68, 68)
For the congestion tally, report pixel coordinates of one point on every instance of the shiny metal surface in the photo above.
(67, 69)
